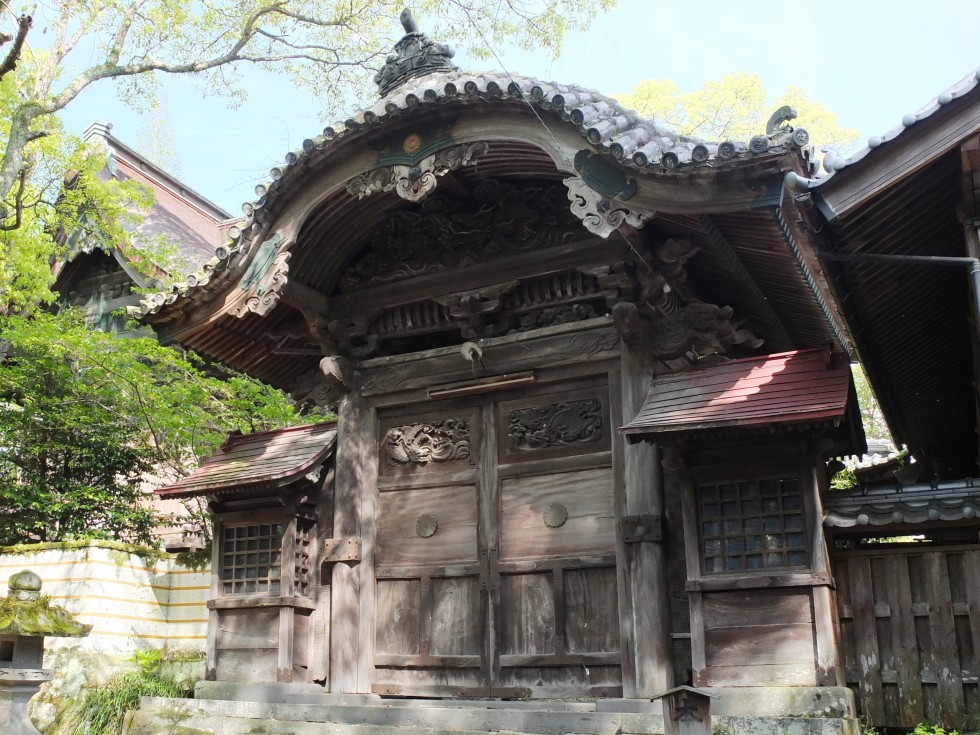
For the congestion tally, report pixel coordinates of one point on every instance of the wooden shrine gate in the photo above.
(910, 621)
(496, 568)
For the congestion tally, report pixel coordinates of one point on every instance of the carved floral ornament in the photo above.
(426, 525)
(415, 182)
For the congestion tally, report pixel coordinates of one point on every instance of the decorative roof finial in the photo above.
(415, 55)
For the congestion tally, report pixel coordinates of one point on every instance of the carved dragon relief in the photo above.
(697, 329)
(555, 425)
(419, 444)
(415, 182)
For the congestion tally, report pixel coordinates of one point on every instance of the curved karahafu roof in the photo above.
(266, 302)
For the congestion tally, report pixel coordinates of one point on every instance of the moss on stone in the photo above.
(38, 617)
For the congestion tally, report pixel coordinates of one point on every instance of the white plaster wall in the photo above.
(132, 602)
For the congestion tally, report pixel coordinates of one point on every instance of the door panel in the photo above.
(565, 514)
(432, 525)
(499, 587)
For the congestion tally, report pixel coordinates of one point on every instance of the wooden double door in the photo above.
(495, 566)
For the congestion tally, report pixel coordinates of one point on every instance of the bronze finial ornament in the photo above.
(415, 55)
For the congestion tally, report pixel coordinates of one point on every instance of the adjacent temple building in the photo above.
(588, 375)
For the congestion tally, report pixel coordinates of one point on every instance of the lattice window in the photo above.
(752, 526)
(251, 559)
(303, 575)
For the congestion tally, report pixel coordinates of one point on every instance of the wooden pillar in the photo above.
(214, 616)
(646, 561)
(284, 660)
(351, 584)
(829, 669)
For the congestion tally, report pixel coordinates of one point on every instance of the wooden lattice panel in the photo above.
(752, 526)
(250, 559)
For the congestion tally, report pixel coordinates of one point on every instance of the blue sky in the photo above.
(870, 61)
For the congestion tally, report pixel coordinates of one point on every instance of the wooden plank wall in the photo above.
(759, 637)
(910, 625)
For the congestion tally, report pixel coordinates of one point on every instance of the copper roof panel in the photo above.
(269, 458)
(789, 387)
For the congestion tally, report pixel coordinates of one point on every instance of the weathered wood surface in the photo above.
(766, 634)
(548, 347)
(247, 644)
(646, 563)
(512, 595)
(910, 622)
(454, 540)
(587, 498)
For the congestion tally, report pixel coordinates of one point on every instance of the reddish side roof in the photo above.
(267, 459)
(787, 387)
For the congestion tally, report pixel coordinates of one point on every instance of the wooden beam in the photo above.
(303, 298)
(535, 263)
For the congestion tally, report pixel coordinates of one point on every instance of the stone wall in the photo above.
(135, 600)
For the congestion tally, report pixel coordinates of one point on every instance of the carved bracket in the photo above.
(414, 183)
(266, 277)
(699, 329)
(599, 215)
(325, 386)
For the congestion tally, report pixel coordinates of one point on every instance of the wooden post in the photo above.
(646, 560)
(214, 616)
(356, 466)
(284, 660)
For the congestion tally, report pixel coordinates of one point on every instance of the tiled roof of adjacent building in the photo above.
(834, 161)
(882, 506)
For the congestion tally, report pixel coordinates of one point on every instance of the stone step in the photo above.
(366, 715)
(382, 718)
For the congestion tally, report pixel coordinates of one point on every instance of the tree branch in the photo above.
(18, 203)
(24, 24)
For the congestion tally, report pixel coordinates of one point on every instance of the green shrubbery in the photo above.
(103, 710)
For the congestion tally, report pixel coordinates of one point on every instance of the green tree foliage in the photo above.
(735, 107)
(86, 417)
(328, 46)
(871, 415)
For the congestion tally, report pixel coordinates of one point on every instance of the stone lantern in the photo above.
(25, 618)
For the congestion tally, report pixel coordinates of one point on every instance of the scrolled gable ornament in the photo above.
(413, 182)
(600, 216)
(265, 278)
